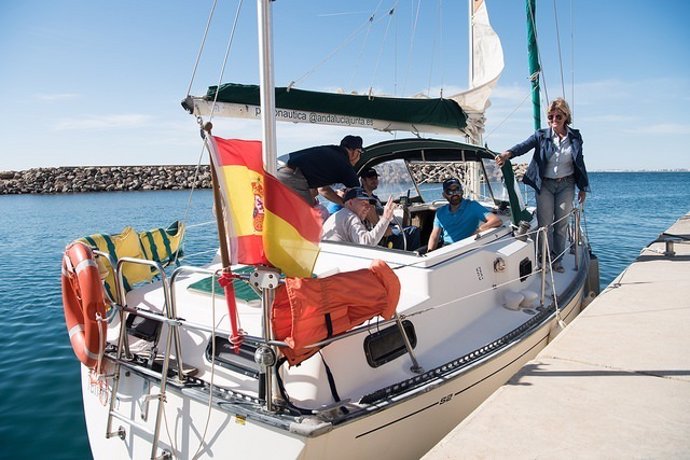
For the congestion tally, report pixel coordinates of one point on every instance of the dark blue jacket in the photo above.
(324, 165)
(543, 147)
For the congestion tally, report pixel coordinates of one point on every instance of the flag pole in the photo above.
(226, 278)
(218, 208)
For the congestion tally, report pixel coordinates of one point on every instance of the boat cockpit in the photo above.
(411, 171)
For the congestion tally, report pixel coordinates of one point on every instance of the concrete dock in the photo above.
(614, 384)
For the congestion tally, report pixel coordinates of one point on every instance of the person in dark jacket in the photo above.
(557, 166)
(312, 171)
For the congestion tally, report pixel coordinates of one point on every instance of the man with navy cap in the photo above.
(312, 171)
(409, 239)
(348, 223)
(460, 218)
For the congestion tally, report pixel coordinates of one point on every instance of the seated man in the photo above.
(459, 218)
(409, 238)
(348, 223)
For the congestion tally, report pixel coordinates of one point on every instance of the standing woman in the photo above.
(556, 167)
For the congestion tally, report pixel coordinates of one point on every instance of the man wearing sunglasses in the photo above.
(556, 167)
(460, 218)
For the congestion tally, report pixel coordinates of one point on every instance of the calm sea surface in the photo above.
(40, 399)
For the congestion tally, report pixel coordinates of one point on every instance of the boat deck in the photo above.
(615, 384)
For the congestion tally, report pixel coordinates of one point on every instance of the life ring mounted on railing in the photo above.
(84, 303)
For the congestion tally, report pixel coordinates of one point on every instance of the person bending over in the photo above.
(460, 218)
(314, 170)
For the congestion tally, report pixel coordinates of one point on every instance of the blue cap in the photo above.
(358, 192)
(448, 183)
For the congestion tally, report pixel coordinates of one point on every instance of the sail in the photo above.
(486, 66)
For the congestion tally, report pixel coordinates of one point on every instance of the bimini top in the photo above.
(416, 149)
(412, 114)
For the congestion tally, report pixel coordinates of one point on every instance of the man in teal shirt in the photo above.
(459, 218)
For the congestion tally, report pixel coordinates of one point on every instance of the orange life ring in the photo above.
(83, 302)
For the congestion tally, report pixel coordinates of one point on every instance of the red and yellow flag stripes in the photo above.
(268, 223)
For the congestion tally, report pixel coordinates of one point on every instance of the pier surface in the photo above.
(614, 384)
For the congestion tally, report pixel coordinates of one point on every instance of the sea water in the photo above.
(40, 400)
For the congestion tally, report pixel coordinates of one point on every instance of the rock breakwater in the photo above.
(103, 179)
(78, 179)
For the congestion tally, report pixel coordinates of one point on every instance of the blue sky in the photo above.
(99, 82)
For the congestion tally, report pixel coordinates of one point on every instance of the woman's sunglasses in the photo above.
(558, 117)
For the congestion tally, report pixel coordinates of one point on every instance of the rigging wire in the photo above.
(213, 366)
(558, 41)
(572, 62)
(361, 51)
(434, 47)
(345, 42)
(231, 39)
(213, 105)
(359, 59)
(201, 47)
(540, 73)
(508, 116)
(391, 13)
(412, 38)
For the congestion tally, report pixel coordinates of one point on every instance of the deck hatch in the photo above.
(242, 362)
(387, 344)
(143, 328)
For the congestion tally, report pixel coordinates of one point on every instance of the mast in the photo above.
(267, 85)
(533, 61)
(470, 41)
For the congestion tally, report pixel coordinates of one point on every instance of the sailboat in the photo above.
(359, 351)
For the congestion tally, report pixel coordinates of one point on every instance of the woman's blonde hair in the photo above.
(560, 105)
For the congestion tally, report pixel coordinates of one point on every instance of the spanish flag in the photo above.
(267, 222)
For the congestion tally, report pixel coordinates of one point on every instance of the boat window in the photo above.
(395, 180)
(494, 183)
(242, 362)
(386, 345)
(429, 176)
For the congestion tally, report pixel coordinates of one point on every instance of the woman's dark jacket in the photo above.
(544, 148)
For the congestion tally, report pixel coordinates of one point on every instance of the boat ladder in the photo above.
(123, 355)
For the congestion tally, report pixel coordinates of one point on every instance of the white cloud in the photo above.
(56, 97)
(104, 122)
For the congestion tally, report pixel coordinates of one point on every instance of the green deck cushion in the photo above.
(243, 291)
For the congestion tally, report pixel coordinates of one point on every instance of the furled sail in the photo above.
(486, 67)
(299, 106)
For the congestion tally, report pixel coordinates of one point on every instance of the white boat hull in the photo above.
(407, 427)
